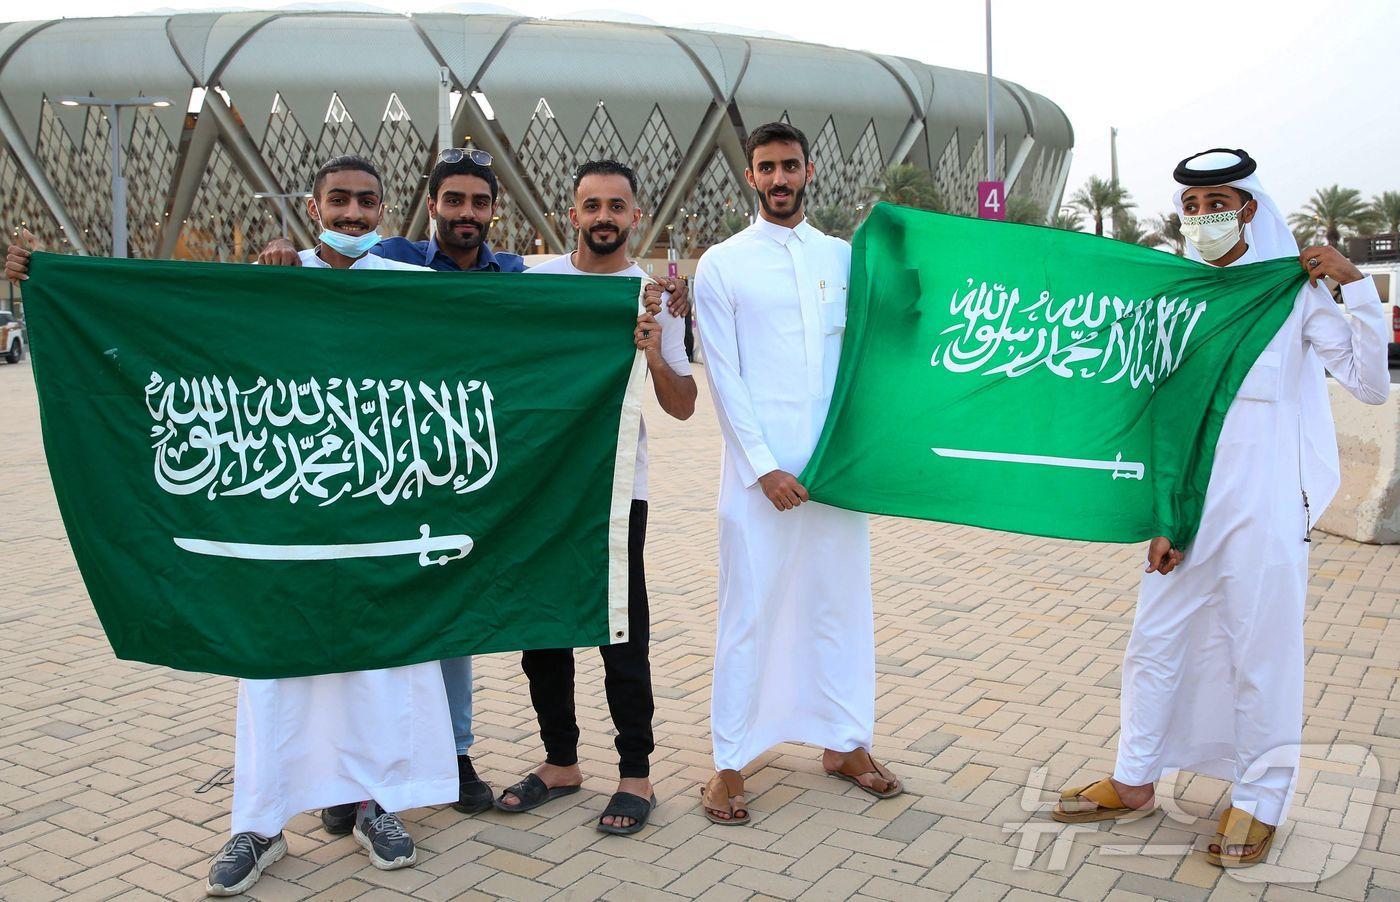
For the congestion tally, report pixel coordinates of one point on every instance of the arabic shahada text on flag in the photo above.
(1036, 380)
(283, 472)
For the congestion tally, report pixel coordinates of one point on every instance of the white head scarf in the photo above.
(1267, 234)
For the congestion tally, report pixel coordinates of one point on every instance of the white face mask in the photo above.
(1213, 234)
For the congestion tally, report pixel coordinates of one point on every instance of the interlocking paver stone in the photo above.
(998, 661)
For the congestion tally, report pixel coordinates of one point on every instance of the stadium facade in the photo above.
(259, 99)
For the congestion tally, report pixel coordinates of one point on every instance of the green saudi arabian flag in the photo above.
(277, 472)
(1034, 380)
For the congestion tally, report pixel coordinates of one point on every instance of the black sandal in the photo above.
(627, 804)
(532, 793)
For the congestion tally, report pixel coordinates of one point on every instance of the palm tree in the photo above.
(1167, 229)
(1098, 198)
(733, 222)
(1066, 218)
(1127, 228)
(1020, 208)
(908, 186)
(1385, 210)
(1332, 211)
(833, 219)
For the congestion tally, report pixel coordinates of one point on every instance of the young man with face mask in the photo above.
(605, 212)
(795, 645)
(1213, 673)
(358, 745)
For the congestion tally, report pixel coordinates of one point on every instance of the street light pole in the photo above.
(114, 133)
(991, 132)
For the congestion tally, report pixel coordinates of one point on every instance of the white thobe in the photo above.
(312, 742)
(795, 645)
(1213, 673)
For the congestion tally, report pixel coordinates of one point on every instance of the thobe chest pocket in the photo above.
(833, 312)
(1261, 383)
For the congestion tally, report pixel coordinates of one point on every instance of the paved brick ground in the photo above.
(998, 661)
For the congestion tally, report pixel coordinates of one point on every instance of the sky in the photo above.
(1308, 89)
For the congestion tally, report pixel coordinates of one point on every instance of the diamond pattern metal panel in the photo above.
(656, 156)
(226, 222)
(717, 196)
(546, 158)
(957, 183)
(403, 159)
(149, 164)
(842, 180)
(510, 230)
(81, 174)
(21, 206)
(287, 150)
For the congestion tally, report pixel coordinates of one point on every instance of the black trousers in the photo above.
(626, 677)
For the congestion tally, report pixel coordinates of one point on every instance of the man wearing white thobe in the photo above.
(795, 649)
(1213, 673)
(380, 740)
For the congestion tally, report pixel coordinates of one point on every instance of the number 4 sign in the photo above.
(991, 200)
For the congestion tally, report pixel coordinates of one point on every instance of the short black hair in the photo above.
(771, 132)
(606, 167)
(444, 171)
(345, 163)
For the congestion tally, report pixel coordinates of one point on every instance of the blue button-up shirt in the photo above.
(427, 253)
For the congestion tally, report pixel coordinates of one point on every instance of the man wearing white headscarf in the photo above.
(1213, 673)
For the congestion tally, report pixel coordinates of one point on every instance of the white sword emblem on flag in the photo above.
(1121, 469)
(458, 546)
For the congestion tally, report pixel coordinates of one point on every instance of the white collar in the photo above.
(782, 234)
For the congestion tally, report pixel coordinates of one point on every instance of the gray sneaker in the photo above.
(384, 837)
(241, 862)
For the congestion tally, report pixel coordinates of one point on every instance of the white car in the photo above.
(11, 337)
(1387, 279)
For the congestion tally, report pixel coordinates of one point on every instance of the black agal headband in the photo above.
(1216, 166)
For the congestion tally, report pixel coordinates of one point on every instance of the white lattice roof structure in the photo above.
(272, 94)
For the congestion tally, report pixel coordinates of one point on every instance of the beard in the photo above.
(796, 198)
(447, 233)
(604, 246)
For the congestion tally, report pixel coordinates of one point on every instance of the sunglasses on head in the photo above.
(458, 154)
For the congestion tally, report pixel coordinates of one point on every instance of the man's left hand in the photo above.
(1325, 260)
(678, 304)
(647, 335)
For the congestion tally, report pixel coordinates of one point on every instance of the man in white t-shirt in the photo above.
(605, 211)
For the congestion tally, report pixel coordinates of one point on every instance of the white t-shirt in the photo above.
(368, 261)
(672, 349)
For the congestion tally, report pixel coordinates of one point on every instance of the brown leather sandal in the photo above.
(715, 796)
(1102, 794)
(858, 763)
(1238, 828)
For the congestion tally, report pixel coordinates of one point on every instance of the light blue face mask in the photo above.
(353, 246)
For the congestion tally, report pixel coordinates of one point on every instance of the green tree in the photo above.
(1167, 229)
(833, 219)
(1099, 198)
(1067, 218)
(1020, 208)
(1333, 212)
(1385, 210)
(908, 186)
(1127, 228)
(733, 222)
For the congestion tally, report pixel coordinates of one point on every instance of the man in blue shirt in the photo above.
(462, 195)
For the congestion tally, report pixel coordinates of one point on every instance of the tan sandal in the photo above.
(715, 796)
(858, 763)
(1102, 794)
(1237, 828)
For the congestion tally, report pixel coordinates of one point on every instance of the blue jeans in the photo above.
(457, 676)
